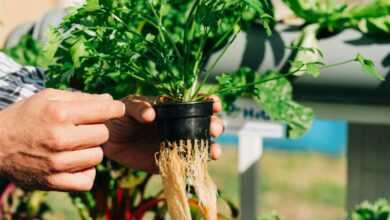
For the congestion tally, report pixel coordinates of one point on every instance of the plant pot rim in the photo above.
(184, 121)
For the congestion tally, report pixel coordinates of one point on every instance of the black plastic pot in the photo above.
(184, 121)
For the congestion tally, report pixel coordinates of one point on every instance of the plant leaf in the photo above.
(368, 67)
(92, 5)
(313, 69)
(275, 97)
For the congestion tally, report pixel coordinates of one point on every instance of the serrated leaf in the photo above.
(313, 69)
(275, 97)
(368, 67)
(265, 10)
(77, 51)
(92, 5)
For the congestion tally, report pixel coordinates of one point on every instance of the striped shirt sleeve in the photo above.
(18, 82)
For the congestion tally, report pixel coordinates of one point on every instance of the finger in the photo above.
(140, 109)
(216, 126)
(215, 151)
(74, 161)
(72, 182)
(82, 136)
(217, 105)
(138, 158)
(89, 111)
(54, 94)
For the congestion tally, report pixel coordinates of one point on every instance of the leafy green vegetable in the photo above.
(368, 67)
(161, 47)
(28, 52)
(313, 69)
(376, 25)
(380, 210)
(333, 16)
(272, 91)
(307, 52)
(308, 56)
(157, 46)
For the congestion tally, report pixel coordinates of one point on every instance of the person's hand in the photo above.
(52, 139)
(134, 138)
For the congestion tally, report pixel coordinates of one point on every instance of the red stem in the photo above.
(128, 214)
(108, 214)
(143, 208)
(8, 190)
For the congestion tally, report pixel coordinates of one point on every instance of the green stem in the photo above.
(189, 30)
(207, 75)
(165, 34)
(152, 44)
(226, 36)
(282, 76)
(338, 64)
(257, 82)
(189, 94)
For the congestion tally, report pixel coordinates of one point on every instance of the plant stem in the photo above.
(189, 94)
(221, 91)
(338, 64)
(282, 76)
(207, 75)
(189, 29)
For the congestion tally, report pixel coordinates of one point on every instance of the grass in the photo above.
(298, 186)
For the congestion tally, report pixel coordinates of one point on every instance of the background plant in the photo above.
(379, 210)
(333, 16)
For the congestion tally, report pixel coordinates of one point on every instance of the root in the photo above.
(182, 164)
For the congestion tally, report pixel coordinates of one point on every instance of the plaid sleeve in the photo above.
(17, 82)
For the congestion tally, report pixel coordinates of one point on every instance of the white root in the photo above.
(184, 163)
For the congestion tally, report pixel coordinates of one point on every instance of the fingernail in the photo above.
(122, 106)
(148, 114)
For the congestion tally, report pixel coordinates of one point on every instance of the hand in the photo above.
(51, 140)
(134, 139)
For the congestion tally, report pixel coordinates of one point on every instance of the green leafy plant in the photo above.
(28, 51)
(379, 210)
(373, 17)
(162, 48)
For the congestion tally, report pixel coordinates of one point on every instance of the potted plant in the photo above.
(163, 48)
(157, 48)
